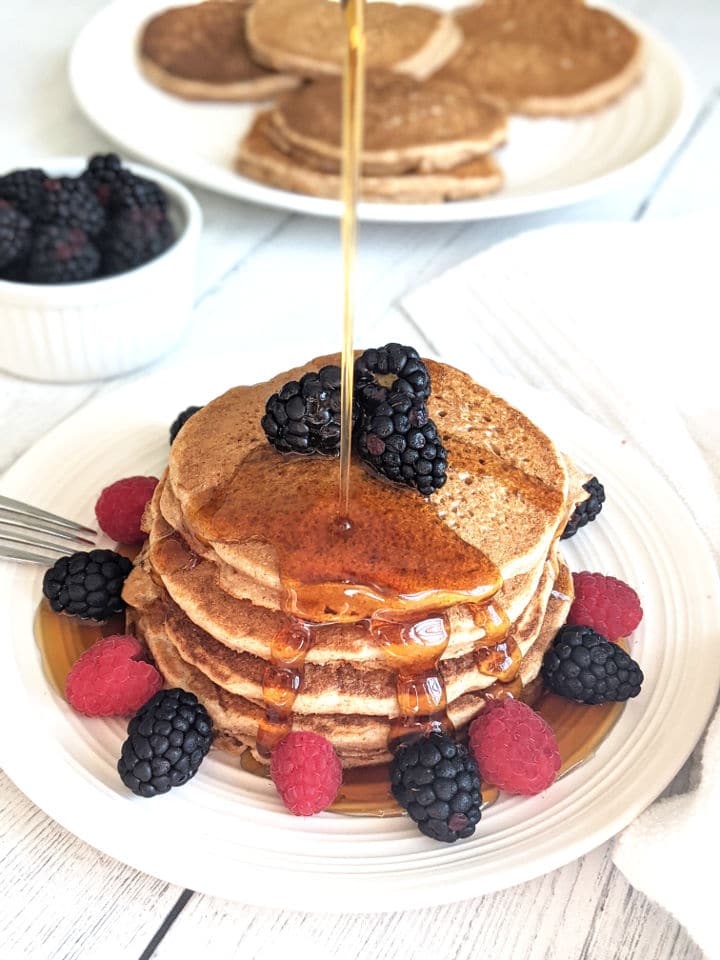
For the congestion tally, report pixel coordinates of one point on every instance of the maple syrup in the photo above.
(578, 728)
(501, 661)
(282, 679)
(413, 648)
(353, 101)
(62, 640)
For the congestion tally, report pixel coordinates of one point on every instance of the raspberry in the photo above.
(120, 508)
(606, 604)
(514, 747)
(112, 679)
(307, 773)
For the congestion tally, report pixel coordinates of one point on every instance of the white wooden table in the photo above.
(61, 898)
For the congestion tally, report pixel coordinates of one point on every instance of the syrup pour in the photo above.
(353, 100)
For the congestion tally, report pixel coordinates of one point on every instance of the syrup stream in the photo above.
(353, 95)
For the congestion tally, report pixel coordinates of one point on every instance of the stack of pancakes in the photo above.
(423, 142)
(209, 606)
(533, 57)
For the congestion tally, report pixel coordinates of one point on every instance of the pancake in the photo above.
(408, 125)
(338, 686)
(259, 159)
(545, 57)
(359, 740)
(307, 37)
(196, 586)
(200, 52)
(506, 494)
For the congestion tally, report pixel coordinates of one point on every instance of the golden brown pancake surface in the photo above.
(260, 159)
(200, 51)
(307, 36)
(408, 125)
(554, 56)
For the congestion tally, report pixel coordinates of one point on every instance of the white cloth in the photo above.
(623, 320)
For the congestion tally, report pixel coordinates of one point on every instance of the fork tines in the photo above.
(19, 522)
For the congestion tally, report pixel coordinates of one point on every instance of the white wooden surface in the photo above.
(62, 899)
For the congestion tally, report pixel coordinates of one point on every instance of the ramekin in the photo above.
(103, 328)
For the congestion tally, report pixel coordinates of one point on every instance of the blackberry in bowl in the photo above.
(97, 264)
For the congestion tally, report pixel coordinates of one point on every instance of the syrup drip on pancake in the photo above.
(390, 564)
(414, 648)
(501, 661)
(281, 682)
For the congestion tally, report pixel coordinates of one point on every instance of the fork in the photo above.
(20, 525)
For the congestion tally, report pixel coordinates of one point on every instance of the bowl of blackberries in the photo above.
(97, 267)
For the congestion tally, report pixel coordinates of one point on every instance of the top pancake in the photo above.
(408, 125)
(508, 488)
(307, 37)
(200, 52)
(543, 57)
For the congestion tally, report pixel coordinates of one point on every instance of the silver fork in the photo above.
(47, 535)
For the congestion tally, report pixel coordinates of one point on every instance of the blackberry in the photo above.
(304, 416)
(582, 665)
(120, 189)
(15, 271)
(180, 420)
(586, 511)
(69, 202)
(62, 254)
(394, 362)
(14, 234)
(87, 584)
(133, 237)
(437, 781)
(398, 439)
(168, 739)
(23, 188)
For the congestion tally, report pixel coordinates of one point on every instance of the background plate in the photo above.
(548, 163)
(237, 840)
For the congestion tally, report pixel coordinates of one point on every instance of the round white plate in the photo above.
(237, 841)
(548, 163)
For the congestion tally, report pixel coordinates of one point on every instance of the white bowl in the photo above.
(109, 326)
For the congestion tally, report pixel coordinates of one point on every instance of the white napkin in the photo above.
(622, 320)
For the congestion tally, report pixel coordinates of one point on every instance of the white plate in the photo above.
(548, 163)
(237, 840)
